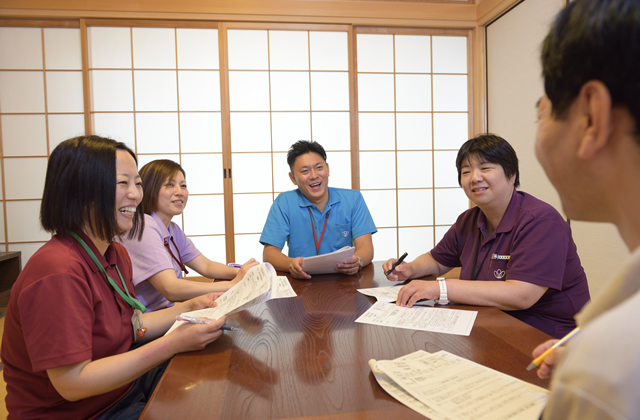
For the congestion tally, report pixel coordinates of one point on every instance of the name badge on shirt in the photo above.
(500, 257)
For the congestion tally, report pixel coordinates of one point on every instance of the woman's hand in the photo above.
(401, 273)
(417, 290)
(244, 270)
(192, 337)
(204, 301)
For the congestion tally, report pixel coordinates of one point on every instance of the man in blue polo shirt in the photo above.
(315, 219)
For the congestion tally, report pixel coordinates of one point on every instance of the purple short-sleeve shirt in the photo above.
(149, 256)
(532, 243)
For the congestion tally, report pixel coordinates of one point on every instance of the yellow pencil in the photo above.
(538, 360)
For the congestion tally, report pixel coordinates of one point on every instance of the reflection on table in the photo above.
(306, 357)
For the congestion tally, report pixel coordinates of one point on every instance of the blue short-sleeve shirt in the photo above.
(289, 222)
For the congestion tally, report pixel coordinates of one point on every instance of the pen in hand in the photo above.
(395, 264)
(194, 320)
(538, 360)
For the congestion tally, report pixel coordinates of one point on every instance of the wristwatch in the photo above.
(442, 300)
(360, 262)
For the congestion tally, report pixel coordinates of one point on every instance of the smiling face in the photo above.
(486, 184)
(311, 175)
(128, 190)
(172, 197)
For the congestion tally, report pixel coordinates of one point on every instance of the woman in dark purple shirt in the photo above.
(515, 252)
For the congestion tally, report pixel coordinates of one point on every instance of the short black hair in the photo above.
(594, 40)
(80, 189)
(154, 174)
(302, 147)
(492, 149)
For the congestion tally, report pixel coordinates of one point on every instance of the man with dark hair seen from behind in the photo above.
(588, 143)
(315, 219)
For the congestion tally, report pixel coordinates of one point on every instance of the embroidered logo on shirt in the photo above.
(500, 257)
(345, 233)
(499, 273)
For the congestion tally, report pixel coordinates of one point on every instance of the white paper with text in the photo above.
(461, 389)
(442, 320)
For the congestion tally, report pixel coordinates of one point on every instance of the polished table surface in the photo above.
(305, 357)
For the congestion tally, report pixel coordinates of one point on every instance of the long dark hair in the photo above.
(79, 189)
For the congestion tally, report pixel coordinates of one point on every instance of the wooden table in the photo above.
(305, 357)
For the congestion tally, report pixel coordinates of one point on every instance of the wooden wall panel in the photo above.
(408, 14)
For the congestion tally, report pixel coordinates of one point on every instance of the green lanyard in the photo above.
(130, 300)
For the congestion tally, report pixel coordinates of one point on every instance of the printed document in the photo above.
(326, 263)
(390, 294)
(260, 284)
(457, 388)
(400, 394)
(450, 321)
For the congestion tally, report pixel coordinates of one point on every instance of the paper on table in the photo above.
(383, 294)
(390, 294)
(326, 263)
(281, 288)
(451, 321)
(461, 389)
(259, 285)
(400, 394)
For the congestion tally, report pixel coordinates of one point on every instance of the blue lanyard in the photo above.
(135, 303)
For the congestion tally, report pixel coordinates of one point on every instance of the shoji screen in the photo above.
(41, 103)
(284, 85)
(413, 116)
(158, 89)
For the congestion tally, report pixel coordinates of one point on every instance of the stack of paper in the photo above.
(326, 263)
(443, 386)
(260, 284)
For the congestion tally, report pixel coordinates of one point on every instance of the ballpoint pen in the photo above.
(395, 264)
(194, 320)
(538, 360)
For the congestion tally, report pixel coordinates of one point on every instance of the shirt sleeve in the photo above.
(539, 254)
(57, 314)
(148, 256)
(277, 227)
(362, 220)
(447, 252)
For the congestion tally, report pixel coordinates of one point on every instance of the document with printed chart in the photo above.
(459, 389)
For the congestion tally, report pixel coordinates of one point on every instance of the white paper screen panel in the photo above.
(27, 178)
(24, 135)
(284, 86)
(41, 104)
(412, 118)
(158, 90)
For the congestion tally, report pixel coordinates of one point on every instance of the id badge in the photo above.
(136, 321)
